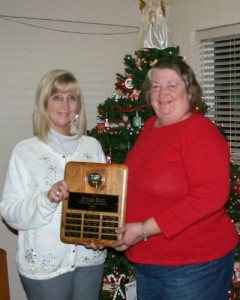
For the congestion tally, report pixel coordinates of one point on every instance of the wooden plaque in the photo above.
(96, 204)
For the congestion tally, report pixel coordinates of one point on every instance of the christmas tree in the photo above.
(233, 209)
(121, 118)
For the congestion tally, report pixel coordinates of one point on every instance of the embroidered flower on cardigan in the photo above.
(30, 256)
(51, 177)
(87, 156)
(49, 261)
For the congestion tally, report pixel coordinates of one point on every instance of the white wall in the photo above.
(188, 16)
(26, 53)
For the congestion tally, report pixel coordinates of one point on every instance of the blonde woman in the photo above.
(34, 189)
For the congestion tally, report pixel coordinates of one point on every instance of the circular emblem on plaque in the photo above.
(95, 179)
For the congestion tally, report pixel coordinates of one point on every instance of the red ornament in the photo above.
(100, 127)
(237, 187)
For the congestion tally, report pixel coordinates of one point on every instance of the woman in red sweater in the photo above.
(177, 234)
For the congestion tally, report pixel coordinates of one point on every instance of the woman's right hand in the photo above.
(131, 235)
(58, 192)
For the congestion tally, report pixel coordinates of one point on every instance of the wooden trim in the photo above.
(4, 283)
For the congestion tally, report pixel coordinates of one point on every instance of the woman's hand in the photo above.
(131, 235)
(58, 192)
(92, 245)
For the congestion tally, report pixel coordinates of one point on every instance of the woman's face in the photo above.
(169, 97)
(62, 108)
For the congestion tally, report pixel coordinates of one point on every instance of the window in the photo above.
(220, 77)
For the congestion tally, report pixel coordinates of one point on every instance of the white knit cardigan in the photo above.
(33, 168)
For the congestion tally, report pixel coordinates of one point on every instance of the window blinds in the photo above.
(221, 85)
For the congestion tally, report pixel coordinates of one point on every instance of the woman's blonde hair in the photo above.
(55, 81)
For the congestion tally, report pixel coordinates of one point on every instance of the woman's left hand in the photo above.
(131, 235)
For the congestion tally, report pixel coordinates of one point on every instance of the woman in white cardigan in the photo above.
(34, 189)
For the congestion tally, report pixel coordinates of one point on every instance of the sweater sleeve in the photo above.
(206, 164)
(23, 205)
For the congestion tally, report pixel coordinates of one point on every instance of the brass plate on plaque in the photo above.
(96, 204)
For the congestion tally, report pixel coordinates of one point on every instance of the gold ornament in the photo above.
(142, 5)
(163, 8)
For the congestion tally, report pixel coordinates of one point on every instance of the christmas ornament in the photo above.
(237, 187)
(108, 285)
(100, 118)
(118, 94)
(106, 124)
(137, 121)
(237, 271)
(153, 31)
(100, 123)
(125, 118)
(117, 282)
(131, 290)
(135, 95)
(108, 158)
(153, 62)
(126, 84)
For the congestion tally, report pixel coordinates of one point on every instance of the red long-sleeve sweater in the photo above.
(179, 174)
